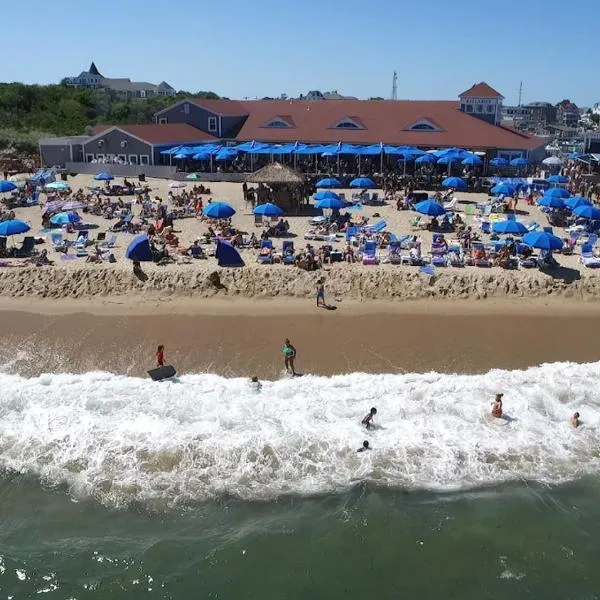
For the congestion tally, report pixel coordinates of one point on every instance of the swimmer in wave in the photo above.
(575, 420)
(368, 418)
(364, 447)
(497, 406)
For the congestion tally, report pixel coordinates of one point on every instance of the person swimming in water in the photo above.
(289, 353)
(368, 418)
(497, 406)
(364, 447)
(160, 356)
(575, 421)
(255, 384)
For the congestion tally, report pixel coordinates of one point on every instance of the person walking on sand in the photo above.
(321, 294)
(289, 353)
(497, 406)
(160, 356)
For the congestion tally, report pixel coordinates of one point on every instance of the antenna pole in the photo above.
(395, 86)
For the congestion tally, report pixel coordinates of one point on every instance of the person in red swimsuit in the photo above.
(160, 356)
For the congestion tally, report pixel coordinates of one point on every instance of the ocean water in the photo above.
(118, 487)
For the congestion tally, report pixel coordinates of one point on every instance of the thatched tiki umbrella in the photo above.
(285, 183)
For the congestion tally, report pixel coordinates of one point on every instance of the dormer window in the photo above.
(423, 125)
(348, 123)
(278, 123)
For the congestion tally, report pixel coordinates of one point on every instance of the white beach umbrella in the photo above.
(177, 184)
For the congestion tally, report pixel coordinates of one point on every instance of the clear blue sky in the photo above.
(266, 47)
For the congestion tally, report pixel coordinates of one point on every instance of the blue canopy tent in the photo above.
(510, 226)
(499, 162)
(171, 151)
(43, 177)
(227, 255)
(139, 249)
(268, 210)
(218, 210)
(431, 208)
(226, 154)
(455, 183)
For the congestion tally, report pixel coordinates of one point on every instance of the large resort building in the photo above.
(472, 122)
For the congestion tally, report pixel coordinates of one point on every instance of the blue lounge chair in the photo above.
(370, 253)
(289, 255)
(377, 228)
(266, 258)
(351, 232)
(587, 258)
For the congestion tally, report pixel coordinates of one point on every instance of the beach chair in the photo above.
(289, 255)
(58, 242)
(486, 227)
(101, 237)
(351, 234)
(532, 227)
(266, 252)
(109, 243)
(587, 257)
(377, 228)
(26, 249)
(258, 220)
(82, 239)
(370, 253)
(449, 206)
(197, 252)
(394, 256)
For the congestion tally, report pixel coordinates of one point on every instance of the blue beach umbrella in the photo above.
(426, 159)
(499, 162)
(543, 241)
(139, 249)
(519, 162)
(587, 212)
(104, 176)
(365, 183)
(13, 227)
(330, 204)
(472, 161)
(64, 218)
(505, 189)
(329, 182)
(7, 186)
(268, 210)
(323, 195)
(576, 201)
(456, 183)
(551, 202)
(556, 193)
(219, 210)
(557, 179)
(431, 208)
(510, 226)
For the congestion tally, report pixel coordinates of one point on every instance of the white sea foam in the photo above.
(122, 439)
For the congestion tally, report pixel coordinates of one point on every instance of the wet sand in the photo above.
(244, 338)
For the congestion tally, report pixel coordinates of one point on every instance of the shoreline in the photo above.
(242, 337)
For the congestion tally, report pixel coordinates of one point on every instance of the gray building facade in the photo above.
(58, 151)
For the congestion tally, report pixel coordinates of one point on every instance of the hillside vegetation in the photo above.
(28, 112)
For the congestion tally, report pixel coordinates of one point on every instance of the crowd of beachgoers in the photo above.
(85, 221)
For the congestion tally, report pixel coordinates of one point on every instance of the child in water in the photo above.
(368, 418)
(497, 406)
(255, 384)
(290, 354)
(160, 356)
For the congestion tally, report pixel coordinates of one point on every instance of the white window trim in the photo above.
(286, 124)
(147, 158)
(133, 159)
(424, 121)
(347, 120)
(89, 157)
(163, 120)
(122, 157)
(215, 121)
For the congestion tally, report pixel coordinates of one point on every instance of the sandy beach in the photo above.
(77, 278)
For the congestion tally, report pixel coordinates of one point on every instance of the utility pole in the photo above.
(395, 86)
(520, 93)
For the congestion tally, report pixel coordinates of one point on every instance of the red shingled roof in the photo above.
(481, 90)
(162, 134)
(384, 121)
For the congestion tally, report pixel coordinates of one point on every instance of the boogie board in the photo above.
(161, 373)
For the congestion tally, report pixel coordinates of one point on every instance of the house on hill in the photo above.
(93, 79)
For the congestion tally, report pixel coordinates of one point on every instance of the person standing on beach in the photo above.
(497, 406)
(160, 356)
(289, 353)
(321, 294)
